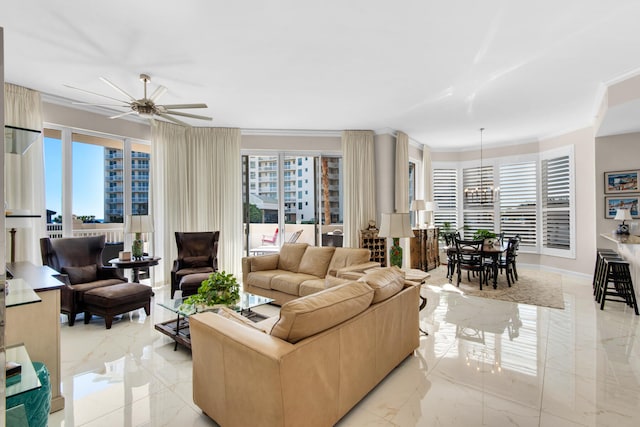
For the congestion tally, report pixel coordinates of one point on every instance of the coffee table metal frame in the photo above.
(178, 329)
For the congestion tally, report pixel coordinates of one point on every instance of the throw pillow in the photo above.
(290, 256)
(385, 282)
(315, 261)
(84, 274)
(264, 262)
(307, 316)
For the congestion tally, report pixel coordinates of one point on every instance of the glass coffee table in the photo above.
(178, 329)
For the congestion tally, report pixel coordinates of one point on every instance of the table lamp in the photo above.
(417, 206)
(431, 207)
(623, 215)
(138, 224)
(395, 225)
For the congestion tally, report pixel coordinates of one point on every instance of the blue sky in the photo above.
(88, 178)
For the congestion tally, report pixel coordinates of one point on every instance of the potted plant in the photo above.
(219, 289)
(486, 235)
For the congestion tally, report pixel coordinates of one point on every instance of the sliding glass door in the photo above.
(291, 198)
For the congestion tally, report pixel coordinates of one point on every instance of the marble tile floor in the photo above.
(485, 362)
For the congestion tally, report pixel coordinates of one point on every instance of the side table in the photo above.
(135, 265)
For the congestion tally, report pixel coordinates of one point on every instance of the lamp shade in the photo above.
(418, 205)
(395, 225)
(138, 224)
(431, 206)
(623, 214)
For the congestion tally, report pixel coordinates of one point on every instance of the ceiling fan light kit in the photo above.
(146, 106)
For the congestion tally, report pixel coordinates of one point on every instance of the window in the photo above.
(445, 191)
(518, 196)
(557, 205)
(99, 181)
(478, 210)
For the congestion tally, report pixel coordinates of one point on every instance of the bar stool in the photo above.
(617, 273)
(599, 268)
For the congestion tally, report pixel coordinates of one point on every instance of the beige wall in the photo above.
(324, 144)
(72, 117)
(613, 153)
(586, 209)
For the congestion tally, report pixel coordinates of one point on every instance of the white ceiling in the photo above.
(437, 70)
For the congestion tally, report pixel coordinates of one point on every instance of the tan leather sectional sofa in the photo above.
(311, 364)
(300, 269)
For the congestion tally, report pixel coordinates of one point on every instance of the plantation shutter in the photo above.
(445, 194)
(556, 203)
(518, 195)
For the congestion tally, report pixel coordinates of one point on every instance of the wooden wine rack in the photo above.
(377, 245)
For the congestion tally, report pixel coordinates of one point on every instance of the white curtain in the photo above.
(24, 173)
(169, 195)
(196, 186)
(359, 184)
(215, 191)
(402, 173)
(427, 176)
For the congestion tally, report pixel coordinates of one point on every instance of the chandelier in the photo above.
(480, 193)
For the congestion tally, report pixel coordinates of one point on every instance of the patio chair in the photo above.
(270, 239)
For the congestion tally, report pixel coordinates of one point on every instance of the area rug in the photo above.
(533, 287)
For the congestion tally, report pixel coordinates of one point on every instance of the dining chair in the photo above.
(469, 257)
(450, 248)
(508, 262)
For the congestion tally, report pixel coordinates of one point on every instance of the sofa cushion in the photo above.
(344, 257)
(307, 316)
(196, 261)
(262, 279)
(264, 262)
(290, 256)
(81, 288)
(309, 287)
(84, 274)
(385, 282)
(289, 283)
(312, 286)
(315, 260)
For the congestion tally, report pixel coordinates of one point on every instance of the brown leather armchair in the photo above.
(79, 262)
(197, 253)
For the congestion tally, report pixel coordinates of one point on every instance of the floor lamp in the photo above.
(396, 226)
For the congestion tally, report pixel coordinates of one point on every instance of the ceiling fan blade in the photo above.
(94, 93)
(193, 116)
(180, 122)
(160, 90)
(117, 88)
(101, 105)
(181, 106)
(122, 114)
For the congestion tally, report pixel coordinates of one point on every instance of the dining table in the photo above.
(493, 252)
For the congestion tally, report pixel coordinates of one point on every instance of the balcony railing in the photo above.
(112, 234)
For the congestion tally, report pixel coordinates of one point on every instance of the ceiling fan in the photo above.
(146, 106)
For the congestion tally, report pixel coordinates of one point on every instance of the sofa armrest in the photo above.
(258, 263)
(358, 268)
(227, 359)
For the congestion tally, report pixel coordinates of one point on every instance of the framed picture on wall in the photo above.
(621, 182)
(613, 203)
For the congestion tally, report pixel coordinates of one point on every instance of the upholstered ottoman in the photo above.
(109, 301)
(190, 283)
